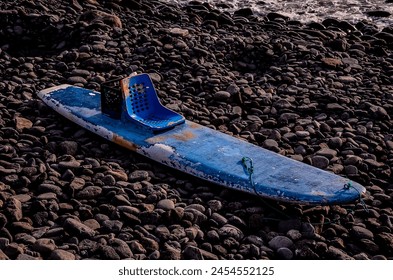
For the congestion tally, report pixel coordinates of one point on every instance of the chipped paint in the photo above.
(230, 151)
(187, 135)
(318, 192)
(160, 152)
(86, 111)
(194, 125)
(124, 143)
(125, 87)
(155, 139)
(207, 154)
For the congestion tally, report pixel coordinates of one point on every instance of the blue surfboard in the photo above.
(131, 115)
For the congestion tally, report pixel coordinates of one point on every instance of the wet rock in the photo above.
(274, 16)
(244, 12)
(378, 13)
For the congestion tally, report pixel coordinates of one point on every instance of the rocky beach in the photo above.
(320, 93)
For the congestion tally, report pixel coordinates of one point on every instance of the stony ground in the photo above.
(320, 93)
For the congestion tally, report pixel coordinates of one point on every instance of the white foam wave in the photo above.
(311, 10)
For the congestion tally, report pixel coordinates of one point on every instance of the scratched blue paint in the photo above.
(208, 154)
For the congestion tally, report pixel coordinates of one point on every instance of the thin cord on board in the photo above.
(249, 168)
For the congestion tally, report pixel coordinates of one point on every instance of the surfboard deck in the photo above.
(207, 154)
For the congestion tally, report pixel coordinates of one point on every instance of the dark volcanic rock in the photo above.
(319, 93)
(76, 227)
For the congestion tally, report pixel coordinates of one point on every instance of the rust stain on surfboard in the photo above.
(187, 135)
(194, 125)
(124, 143)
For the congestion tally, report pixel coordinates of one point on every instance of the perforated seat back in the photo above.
(144, 107)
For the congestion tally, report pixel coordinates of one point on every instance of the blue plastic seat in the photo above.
(143, 106)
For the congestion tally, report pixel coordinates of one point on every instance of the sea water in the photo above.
(311, 10)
